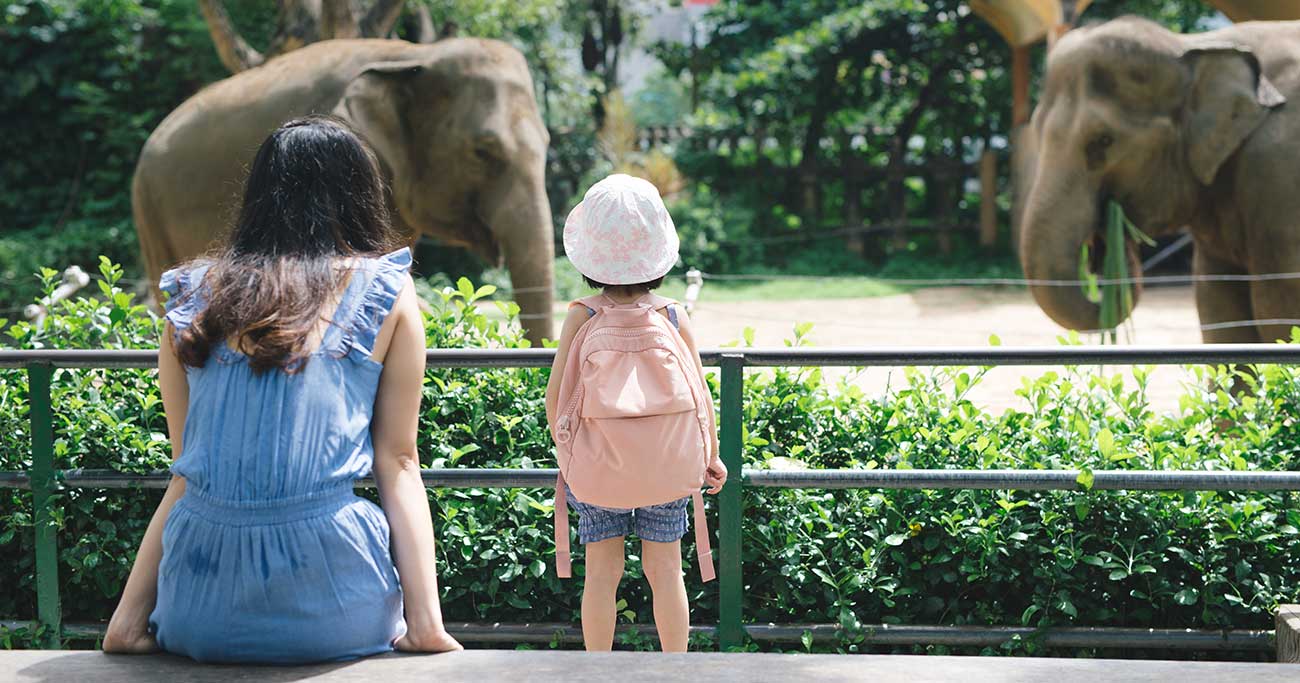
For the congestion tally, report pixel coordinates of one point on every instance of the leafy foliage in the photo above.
(1157, 559)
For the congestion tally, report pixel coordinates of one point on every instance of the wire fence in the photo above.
(916, 282)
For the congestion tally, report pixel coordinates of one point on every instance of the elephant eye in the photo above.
(488, 148)
(1096, 149)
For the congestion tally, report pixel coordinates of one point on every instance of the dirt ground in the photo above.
(945, 317)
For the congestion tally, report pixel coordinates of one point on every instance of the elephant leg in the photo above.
(1277, 301)
(1221, 305)
(1223, 308)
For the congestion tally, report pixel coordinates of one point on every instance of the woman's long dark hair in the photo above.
(314, 195)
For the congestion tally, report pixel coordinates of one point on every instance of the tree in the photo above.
(301, 22)
(821, 75)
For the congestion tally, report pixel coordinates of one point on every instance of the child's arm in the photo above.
(397, 476)
(716, 474)
(128, 630)
(575, 320)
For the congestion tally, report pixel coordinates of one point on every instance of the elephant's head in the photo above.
(458, 132)
(1133, 113)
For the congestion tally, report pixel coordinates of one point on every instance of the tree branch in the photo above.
(337, 20)
(380, 19)
(235, 53)
(425, 32)
(298, 23)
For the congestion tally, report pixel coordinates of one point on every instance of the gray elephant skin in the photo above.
(455, 125)
(1187, 131)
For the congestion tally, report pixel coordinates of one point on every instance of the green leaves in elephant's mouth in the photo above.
(1107, 255)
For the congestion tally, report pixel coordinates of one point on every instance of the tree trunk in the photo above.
(380, 19)
(425, 33)
(337, 20)
(808, 163)
(851, 168)
(299, 23)
(898, 152)
(896, 192)
(235, 53)
(945, 189)
(988, 198)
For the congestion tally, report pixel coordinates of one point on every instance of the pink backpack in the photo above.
(634, 425)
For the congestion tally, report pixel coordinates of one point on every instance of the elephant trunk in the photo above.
(523, 229)
(1052, 237)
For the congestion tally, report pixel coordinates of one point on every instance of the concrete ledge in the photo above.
(481, 666)
(1288, 634)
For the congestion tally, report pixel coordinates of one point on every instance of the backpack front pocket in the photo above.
(619, 383)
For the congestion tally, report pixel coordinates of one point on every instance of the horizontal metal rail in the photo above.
(1026, 480)
(1019, 480)
(875, 634)
(792, 357)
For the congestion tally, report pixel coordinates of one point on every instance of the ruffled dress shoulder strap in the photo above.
(185, 294)
(370, 297)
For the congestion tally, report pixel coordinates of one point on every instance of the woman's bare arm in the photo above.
(397, 475)
(128, 630)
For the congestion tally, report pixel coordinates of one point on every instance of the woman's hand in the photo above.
(128, 640)
(715, 476)
(436, 640)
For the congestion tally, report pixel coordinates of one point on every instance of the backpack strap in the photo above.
(703, 551)
(563, 561)
(591, 312)
(598, 301)
(593, 303)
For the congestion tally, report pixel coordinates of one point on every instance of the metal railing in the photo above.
(43, 481)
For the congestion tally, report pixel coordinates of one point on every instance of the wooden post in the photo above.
(1054, 34)
(947, 188)
(897, 194)
(1019, 85)
(988, 198)
(851, 174)
(1288, 634)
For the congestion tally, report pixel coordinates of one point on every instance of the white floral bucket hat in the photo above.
(621, 233)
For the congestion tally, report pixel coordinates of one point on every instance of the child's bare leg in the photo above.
(662, 563)
(604, 569)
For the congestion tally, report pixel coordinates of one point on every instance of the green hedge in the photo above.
(1142, 559)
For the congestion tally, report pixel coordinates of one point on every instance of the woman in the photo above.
(291, 365)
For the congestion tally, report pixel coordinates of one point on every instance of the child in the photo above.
(622, 240)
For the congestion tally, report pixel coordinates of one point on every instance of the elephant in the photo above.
(454, 124)
(1183, 131)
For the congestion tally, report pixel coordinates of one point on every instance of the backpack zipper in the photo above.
(563, 433)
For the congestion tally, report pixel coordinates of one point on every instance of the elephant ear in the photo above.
(373, 104)
(1228, 99)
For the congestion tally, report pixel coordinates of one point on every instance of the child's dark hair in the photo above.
(627, 289)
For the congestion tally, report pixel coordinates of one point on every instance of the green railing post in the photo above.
(731, 585)
(42, 480)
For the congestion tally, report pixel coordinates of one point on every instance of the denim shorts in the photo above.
(656, 523)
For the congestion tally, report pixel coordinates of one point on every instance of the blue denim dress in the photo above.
(270, 557)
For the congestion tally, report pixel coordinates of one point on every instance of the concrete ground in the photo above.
(482, 666)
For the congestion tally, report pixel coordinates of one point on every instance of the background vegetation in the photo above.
(785, 102)
(1140, 559)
